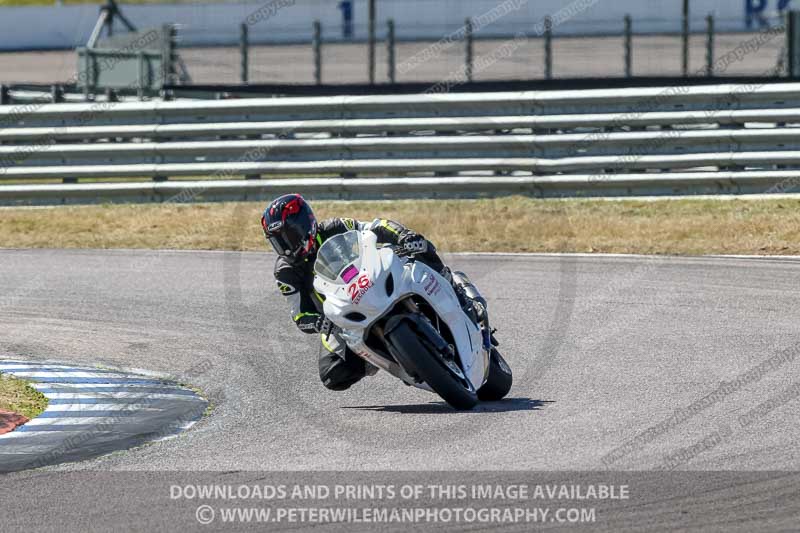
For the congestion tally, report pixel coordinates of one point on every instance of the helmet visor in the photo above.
(280, 245)
(291, 238)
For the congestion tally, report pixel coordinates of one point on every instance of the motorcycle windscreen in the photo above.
(339, 257)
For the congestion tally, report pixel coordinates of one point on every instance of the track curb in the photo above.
(94, 411)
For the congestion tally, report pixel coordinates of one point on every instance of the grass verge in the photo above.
(516, 224)
(18, 396)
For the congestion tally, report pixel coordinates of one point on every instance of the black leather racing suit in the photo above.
(338, 367)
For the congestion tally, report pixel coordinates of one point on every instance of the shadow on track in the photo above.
(440, 408)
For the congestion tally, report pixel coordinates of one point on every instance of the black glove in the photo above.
(413, 243)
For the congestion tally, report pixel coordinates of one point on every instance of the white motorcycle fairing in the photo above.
(363, 283)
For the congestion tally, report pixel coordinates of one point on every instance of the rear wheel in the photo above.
(445, 378)
(500, 378)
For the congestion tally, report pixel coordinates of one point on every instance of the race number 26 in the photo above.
(361, 283)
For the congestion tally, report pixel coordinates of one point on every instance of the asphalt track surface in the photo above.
(603, 348)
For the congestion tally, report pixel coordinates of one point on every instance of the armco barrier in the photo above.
(672, 140)
(709, 183)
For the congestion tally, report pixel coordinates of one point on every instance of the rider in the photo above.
(291, 228)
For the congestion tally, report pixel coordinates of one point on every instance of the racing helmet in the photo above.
(290, 226)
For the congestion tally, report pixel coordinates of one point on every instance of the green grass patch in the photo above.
(19, 396)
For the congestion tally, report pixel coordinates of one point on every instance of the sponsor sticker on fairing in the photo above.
(349, 273)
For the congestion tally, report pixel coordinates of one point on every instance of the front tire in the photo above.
(417, 358)
(500, 379)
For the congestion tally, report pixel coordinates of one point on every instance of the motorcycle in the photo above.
(405, 318)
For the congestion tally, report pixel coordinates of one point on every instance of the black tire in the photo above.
(500, 379)
(415, 357)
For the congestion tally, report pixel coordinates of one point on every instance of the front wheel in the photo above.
(500, 378)
(416, 357)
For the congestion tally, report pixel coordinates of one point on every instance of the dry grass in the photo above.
(681, 227)
(19, 397)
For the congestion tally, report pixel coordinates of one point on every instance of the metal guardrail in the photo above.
(733, 118)
(715, 183)
(716, 98)
(546, 147)
(549, 138)
(376, 167)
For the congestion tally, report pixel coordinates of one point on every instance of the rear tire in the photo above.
(500, 379)
(415, 357)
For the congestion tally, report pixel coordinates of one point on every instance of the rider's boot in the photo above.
(468, 296)
(472, 294)
(474, 305)
(370, 369)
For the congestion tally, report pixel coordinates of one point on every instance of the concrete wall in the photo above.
(290, 20)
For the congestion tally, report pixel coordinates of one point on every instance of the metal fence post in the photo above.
(710, 45)
(685, 39)
(244, 51)
(390, 57)
(93, 72)
(167, 54)
(793, 44)
(56, 93)
(317, 44)
(173, 54)
(628, 47)
(468, 52)
(140, 76)
(87, 72)
(371, 41)
(548, 48)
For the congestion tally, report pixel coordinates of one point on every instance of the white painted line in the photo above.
(100, 396)
(89, 387)
(60, 421)
(71, 374)
(267, 253)
(180, 429)
(652, 257)
(79, 414)
(719, 197)
(109, 405)
(14, 366)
